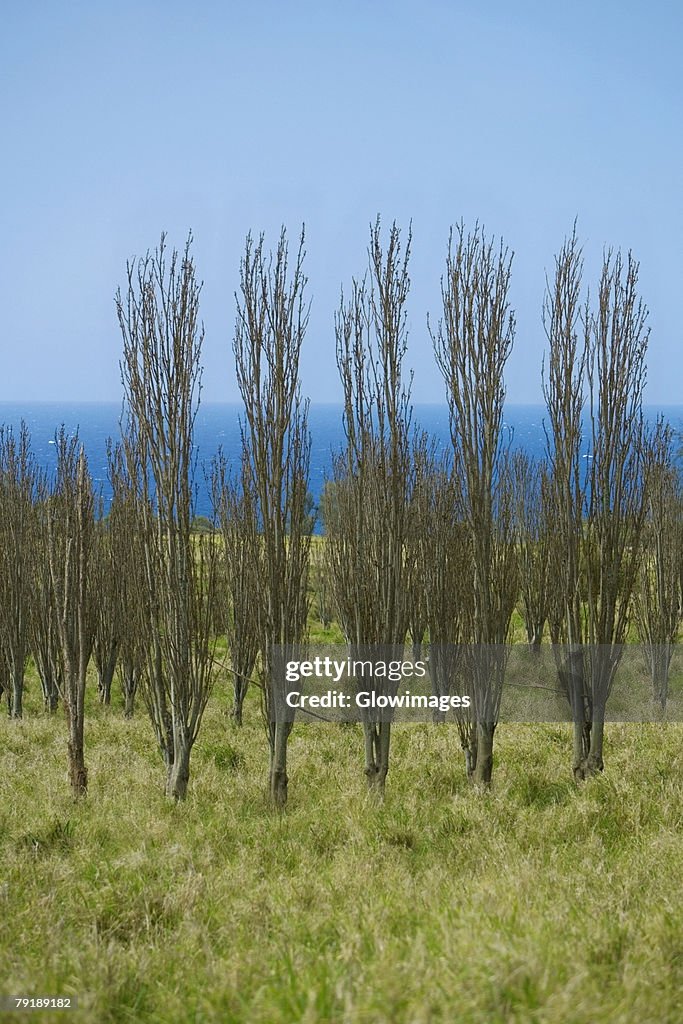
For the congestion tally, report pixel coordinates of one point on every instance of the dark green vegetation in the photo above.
(542, 902)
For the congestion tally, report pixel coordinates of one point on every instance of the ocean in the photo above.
(217, 426)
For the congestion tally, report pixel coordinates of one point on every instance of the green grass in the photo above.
(540, 902)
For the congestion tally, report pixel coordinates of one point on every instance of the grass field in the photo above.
(539, 902)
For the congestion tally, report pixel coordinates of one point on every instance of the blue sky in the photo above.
(123, 119)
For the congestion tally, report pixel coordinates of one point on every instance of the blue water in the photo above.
(218, 426)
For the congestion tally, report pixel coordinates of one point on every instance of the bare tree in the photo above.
(530, 483)
(657, 592)
(272, 316)
(235, 503)
(367, 534)
(17, 530)
(161, 372)
(418, 513)
(70, 528)
(44, 629)
(564, 387)
(5, 675)
(320, 583)
(441, 540)
(127, 523)
(598, 513)
(618, 478)
(106, 585)
(472, 344)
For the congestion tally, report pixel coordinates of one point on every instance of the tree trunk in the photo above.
(483, 768)
(582, 743)
(438, 674)
(18, 691)
(105, 675)
(594, 761)
(179, 769)
(660, 663)
(129, 686)
(383, 762)
(240, 692)
(278, 764)
(377, 737)
(78, 773)
(572, 679)
(50, 692)
(470, 751)
(371, 744)
(128, 703)
(103, 687)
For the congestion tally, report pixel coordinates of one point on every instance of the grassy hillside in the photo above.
(538, 903)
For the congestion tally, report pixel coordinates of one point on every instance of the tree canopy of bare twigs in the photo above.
(70, 527)
(657, 596)
(126, 533)
(272, 316)
(109, 611)
(18, 482)
(161, 371)
(442, 565)
(234, 502)
(472, 343)
(533, 534)
(44, 631)
(368, 526)
(416, 560)
(596, 366)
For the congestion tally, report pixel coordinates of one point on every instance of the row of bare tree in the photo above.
(448, 544)
(418, 542)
